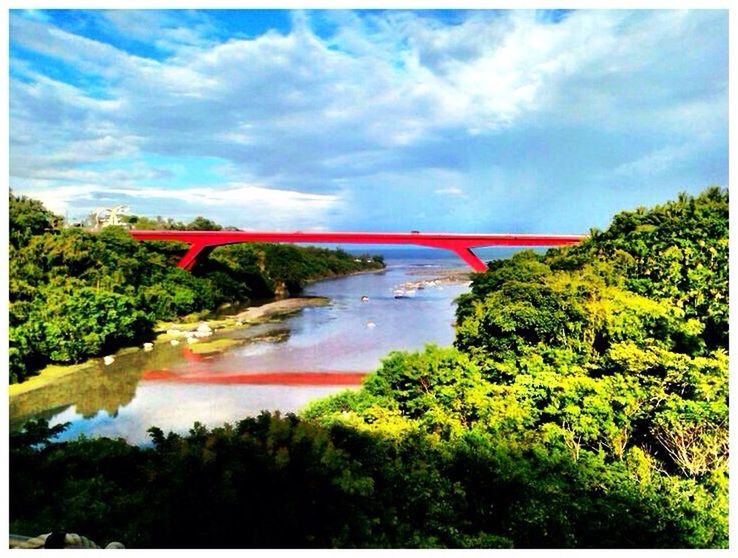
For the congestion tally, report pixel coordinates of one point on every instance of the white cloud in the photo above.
(450, 191)
(36, 15)
(163, 29)
(87, 54)
(387, 96)
(245, 206)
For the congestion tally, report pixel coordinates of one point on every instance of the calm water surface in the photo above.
(347, 336)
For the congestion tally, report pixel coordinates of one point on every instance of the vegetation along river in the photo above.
(278, 365)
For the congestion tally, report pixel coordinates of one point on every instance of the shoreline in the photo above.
(217, 340)
(167, 331)
(251, 315)
(438, 278)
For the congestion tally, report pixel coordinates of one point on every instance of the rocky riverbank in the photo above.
(201, 337)
(436, 278)
(198, 334)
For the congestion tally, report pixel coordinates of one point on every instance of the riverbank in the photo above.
(215, 332)
(182, 332)
(198, 334)
(237, 370)
(276, 310)
(438, 278)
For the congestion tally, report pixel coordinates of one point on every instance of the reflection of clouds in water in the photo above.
(99, 424)
(330, 338)
(253, 349)
(175, 408)
(337, 337)
(69, 414)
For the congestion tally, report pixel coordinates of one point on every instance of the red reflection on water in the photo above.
(261, 378)
(191, 356)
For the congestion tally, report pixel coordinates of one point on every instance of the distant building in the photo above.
(111, 216)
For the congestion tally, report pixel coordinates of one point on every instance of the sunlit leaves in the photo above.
(585, 404)
(50, 265)
(611, 354)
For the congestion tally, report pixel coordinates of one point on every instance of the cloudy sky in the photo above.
(459, 121)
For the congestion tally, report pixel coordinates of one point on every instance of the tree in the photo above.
(28, 217)
(203, 224)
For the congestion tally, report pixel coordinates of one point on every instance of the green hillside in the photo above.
(76, 294)
(584, 404)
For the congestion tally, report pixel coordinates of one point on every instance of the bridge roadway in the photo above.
(461, 244)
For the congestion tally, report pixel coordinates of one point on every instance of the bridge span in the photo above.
(461, 244)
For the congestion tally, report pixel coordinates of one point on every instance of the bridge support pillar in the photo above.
(471, 258)
(188, 260)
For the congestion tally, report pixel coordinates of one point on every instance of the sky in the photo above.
(536, 121)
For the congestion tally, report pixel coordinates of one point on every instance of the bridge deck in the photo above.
(459, 243)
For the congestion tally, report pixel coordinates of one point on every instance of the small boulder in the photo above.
(108, 360)
(148, 346)
(203, 330)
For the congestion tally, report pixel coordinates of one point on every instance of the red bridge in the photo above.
(462, 244)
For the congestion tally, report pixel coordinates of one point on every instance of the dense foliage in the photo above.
(76, 294)
(585, 404)
(612, 354)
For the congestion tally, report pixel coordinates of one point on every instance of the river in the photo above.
(346, 339)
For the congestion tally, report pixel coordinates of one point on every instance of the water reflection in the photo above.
(172, 387)
(93, 389)
(175, 407)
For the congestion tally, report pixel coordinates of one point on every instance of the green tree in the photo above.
(28, 217)
(203, 224)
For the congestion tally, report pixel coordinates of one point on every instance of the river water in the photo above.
(346, 338)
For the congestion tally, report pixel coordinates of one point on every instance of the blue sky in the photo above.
(459, 121)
